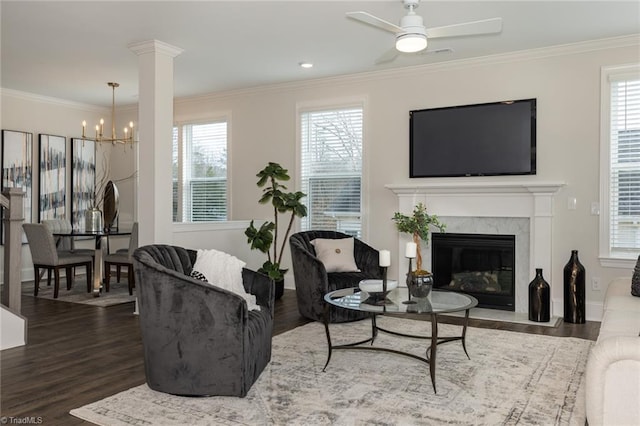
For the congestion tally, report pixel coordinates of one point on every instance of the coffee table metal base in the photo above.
(430, 353)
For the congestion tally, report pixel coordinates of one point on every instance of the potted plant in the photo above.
(267, 237)
(418, 225)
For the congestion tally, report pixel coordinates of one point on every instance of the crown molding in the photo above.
(32, 97)
(524, 55)
(155, 46)
(518, 56)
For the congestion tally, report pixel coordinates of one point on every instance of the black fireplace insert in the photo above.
(477, 264)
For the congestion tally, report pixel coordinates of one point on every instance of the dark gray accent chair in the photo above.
(199, 339)
(313, 281)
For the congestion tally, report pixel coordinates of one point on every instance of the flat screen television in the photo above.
(491, 139)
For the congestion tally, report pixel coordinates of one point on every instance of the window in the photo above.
(200, 172)
(620, 223)
(331, 169)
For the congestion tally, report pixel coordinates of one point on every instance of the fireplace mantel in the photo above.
(476, 187)
(532, 200)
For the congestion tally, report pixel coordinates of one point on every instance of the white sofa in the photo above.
(613, 367)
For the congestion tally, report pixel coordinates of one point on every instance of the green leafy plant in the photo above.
(285, 203)
(418, 225)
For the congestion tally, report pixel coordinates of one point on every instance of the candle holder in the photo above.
(409, 302)
(384, 279)
(382, 298)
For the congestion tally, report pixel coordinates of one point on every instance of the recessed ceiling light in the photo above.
(306, 64)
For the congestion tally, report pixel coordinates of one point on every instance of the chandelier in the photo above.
(100, 137)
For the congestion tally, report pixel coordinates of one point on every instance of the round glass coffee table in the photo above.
(438, 302)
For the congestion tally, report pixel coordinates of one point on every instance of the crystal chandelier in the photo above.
(128, 131)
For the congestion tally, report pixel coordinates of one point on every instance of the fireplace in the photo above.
(481, 265)
(523, 208)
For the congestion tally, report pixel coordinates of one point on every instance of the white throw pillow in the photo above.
(224, 271)
(336, 255)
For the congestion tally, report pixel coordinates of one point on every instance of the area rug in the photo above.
(118, 292)
(511, 379)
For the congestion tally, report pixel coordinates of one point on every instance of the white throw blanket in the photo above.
(225, 271)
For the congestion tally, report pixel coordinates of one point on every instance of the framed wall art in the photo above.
(83, 179)
(17, 169)
(53, 177)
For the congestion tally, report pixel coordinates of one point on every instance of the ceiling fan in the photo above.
(411, 34)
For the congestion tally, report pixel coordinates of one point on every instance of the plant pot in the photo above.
(420, 283)
(279, 288)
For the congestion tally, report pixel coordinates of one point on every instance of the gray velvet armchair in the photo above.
(313, 281)
(199, 339)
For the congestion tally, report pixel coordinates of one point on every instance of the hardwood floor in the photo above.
(77, 354)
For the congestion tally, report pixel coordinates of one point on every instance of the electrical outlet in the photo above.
(595, 208)
(595, 284)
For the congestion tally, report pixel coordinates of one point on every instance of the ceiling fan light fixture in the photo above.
(411, 43)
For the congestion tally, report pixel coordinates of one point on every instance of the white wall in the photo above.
(13, 329)
(37, 114)
(565, 80)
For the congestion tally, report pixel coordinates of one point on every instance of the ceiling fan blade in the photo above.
(435, 51)
(391, 54)
(387, 56)
(369, 19)
(485, 26)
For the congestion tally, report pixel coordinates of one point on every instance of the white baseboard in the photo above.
(593, 310)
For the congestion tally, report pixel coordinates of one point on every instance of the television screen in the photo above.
(490, 139)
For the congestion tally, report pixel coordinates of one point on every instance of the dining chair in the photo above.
(120, 258)
(66, 244)
(45, 256)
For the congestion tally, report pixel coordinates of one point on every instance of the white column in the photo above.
(155, 115)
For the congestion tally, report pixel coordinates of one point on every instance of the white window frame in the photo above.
(203, 225)
(341, 103)
(607, 74)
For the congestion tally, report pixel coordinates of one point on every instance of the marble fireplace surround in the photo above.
(489, 208)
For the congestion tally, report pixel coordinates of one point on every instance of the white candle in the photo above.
(385, 258)
(411, 250)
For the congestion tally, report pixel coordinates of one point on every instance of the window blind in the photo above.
(177, 213)
(625, 166)
(331, 169)
(200, 160)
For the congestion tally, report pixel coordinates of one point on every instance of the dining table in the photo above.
(98, 237)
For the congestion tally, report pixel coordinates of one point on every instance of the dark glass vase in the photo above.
(420, 285)
(574, 289)
(539, 299)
